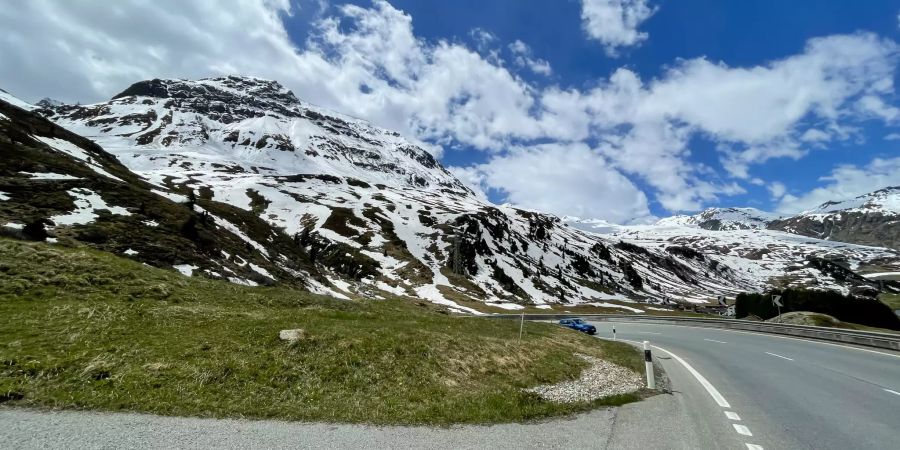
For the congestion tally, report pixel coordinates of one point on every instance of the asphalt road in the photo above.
(786, 393)
(770, 393)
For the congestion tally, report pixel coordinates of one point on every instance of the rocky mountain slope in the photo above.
(723, 219)
(772, 258)
(236, 178)
(870, 219)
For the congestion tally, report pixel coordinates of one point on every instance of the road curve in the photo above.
(780, 392)
(772, 393)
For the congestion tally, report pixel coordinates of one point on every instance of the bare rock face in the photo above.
(857, 227)
(291, 336)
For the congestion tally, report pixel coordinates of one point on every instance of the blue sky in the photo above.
(745, 33)
(625, 110)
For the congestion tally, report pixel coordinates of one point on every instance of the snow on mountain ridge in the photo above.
(886, 201)
(722, 219)
(255, 123)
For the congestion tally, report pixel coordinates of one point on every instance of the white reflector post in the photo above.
(648, 363)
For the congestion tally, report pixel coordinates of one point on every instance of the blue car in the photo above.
(579, 325)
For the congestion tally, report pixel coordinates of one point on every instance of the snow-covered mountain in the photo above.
(723, 219)
(769, 257)
(870, 219)
(283, 191)
(884, 201)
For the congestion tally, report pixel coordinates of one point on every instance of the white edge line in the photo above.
(816, 341)
(754, 447)
(741, 429)
(719, 399)
(892, 392)
(732, 415)
(713, 340)
(779, 356)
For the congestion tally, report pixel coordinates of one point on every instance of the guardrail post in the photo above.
(648, 363)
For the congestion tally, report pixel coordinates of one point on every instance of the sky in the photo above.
(624, 110)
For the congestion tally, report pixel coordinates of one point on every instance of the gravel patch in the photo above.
(602, 379)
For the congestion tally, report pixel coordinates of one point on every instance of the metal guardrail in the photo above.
(865, 338)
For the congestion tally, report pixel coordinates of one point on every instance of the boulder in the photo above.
(291, 336)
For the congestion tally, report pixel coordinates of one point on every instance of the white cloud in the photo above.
(845, 182)
(892, 137)
(564, 180)
(614, 22)
(754, 114)
(523, 58)
(777, 189)
(368, 62)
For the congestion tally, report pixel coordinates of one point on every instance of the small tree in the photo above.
(36, 230)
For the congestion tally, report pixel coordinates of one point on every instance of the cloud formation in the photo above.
(845, 182)
(368, 62)
(615, 22)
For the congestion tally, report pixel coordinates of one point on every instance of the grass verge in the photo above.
(83, 329)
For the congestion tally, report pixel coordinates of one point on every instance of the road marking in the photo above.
(647, 332)
(893, 392)
(754, 447)
(732, 415)
(742, 429)
(703, 381)
(779, 356)
(713, 340)
(895, 355)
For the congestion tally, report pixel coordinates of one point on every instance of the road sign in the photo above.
(776, 301)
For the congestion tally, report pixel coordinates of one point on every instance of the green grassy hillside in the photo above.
(80, 328)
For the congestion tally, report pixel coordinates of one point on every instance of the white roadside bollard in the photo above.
(648, 363)
(614, 332)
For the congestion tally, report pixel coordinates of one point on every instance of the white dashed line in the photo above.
(779, 356)
(893, 392)
(715, 394)
(713, 340)
(647, 332)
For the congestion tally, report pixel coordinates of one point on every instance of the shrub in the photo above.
(847, 308)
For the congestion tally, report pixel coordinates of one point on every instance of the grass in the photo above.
(84, 329)
(824, 320)
(892, 300)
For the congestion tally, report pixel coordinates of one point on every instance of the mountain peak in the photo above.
(210, 88)
(723, 219)
(257, 126)
(885, 200)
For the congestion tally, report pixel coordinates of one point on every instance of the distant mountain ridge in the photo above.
(723, 219)
(236, 178)
(869, 219)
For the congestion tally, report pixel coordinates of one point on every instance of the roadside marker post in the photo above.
(776, 300)
(648, 363)
(521, 325)
(614, 332)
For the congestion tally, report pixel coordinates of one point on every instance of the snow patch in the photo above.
(49, 176)
(77, 153)
(86, 203)
(185, 269)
